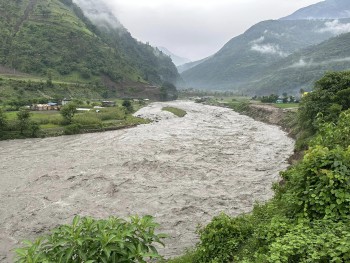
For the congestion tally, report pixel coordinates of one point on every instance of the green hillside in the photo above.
(53, 39)
(302, 69)
(244, 56)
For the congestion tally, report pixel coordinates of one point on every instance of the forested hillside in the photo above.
(303, 68)
(53, 38)
(244, 57)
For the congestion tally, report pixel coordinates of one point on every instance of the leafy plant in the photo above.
(222, 237)
(327, 99)
(320, 184)
(308, 220)
(93, 241)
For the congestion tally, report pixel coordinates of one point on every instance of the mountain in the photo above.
(177, 60)
(301, 69)
(58, 38)
(189, 65)
(330, 9)
(238, 62)
(244, 63)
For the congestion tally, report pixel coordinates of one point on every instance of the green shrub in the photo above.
(222, 237)
(87, 119)
(320, 184)
(68, 111)
(93, 241)
(239, 106)
(114, 113)
(72, 129)
(128, 106)
(329, 97)
(320, 241)
(189, 257)
(332, 135)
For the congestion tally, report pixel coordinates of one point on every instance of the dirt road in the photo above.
(183, 171)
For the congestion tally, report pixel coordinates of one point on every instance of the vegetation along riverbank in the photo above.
(308, 218)
(77, 116)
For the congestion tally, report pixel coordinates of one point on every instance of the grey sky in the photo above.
(197, 28)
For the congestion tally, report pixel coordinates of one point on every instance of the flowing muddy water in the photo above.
(183, 171)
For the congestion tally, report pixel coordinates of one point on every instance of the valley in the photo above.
(99, 121)
(183, 171)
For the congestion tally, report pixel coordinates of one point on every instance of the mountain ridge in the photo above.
(177, 60)
(239, 66)
(329, 9)
(54, 38)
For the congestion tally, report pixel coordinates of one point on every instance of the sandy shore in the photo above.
(183, 171)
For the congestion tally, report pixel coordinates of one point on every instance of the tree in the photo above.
(128, 106)
(49, 79)
(329, 98)
(34, 129)
(23, 117)
(68, 111)
(3, 120)
(168, 91)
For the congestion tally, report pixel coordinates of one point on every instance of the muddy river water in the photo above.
(183, 171)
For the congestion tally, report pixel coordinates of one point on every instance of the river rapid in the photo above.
(183, 171)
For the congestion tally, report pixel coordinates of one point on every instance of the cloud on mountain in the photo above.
(271, 49)
(335, 27)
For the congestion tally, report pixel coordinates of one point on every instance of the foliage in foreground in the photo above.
(91, 241)
(308, 220)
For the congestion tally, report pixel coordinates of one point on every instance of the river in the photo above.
(183, 171)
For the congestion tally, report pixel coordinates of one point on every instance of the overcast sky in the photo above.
(197, 28)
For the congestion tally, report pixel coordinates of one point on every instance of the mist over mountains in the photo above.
(252, 63)
(79, 43)
(99, 13)
(177, 60)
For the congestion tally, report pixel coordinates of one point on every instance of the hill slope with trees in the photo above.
(245, 56)
(301, 69)
(55, 39)
(243, 64)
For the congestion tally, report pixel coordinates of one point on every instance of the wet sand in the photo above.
(183, 171)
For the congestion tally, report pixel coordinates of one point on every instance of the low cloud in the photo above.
(272, 49)
(335, 27)
(258, 40)
(197, 28)
(274, 34)
(303, 64)
(99, 13)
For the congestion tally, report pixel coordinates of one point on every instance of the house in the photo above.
(44, 107)
(66, 101)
